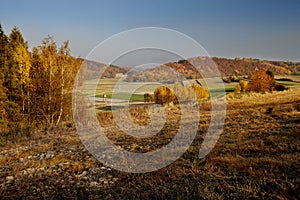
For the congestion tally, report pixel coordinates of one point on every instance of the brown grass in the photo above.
(257, 156)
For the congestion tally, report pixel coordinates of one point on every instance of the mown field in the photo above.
(256, 157)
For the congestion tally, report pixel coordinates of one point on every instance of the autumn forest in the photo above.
(35, 87)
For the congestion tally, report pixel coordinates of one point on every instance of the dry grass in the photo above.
(257, 156)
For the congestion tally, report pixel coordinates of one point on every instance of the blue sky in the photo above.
(266, 29)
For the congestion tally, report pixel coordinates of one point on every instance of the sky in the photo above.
(264, 29)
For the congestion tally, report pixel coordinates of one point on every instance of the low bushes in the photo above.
(241, 87)
(148, 97)
(178, 93)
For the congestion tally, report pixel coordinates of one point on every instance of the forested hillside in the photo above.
(227, 67)
(95, 71)
(247, 66)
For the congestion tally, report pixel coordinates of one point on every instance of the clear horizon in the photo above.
(267, 30)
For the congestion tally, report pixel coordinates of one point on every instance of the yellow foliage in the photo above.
(179, 93)
(183, 93)
(164, 95)
(237, 88)
(201, 92)
(244, 85)
(241, 87)
(22, 58)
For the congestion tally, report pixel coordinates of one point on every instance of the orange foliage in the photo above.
(261, 81)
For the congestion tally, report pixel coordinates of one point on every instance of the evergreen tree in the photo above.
(3, 97)
(21, 61)
(16, 78)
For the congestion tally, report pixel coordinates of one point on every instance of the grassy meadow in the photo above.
(124, 89)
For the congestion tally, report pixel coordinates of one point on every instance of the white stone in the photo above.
(93, 184)
(84, 173)
(10, 178)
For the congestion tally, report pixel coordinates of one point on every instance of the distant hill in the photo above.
(96, 69)
(227, 67)
(247, 66)
(174, 71)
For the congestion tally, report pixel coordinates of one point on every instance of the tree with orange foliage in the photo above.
(261, 81)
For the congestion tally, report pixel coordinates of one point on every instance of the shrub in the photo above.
(238, 88)
(244, 85)
(241, 87)
(163, 95)
(226, 80)
(183, 93)
(279, 87)
(261, 81)
(234, 78)
(201, 92)
(148, 97)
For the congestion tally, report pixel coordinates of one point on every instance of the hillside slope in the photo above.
(96, 69)
(226, 67)
(257, 156)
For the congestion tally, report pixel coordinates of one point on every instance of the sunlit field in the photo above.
(257, 156)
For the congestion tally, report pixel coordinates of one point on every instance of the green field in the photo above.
(121, 90)
(124, 90)
(288, 81)
(123, 96)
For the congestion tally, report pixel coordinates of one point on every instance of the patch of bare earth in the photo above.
(257, 156)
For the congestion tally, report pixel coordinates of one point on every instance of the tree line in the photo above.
(35, 86)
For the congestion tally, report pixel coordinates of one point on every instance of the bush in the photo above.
(164, 94)
(226, 80)
(148, 97)
(183, 93)
(244, 85)
(261, 81)
(279, 87)
(238, 88)
(201, 92)
(241, 87)
(234, 78)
